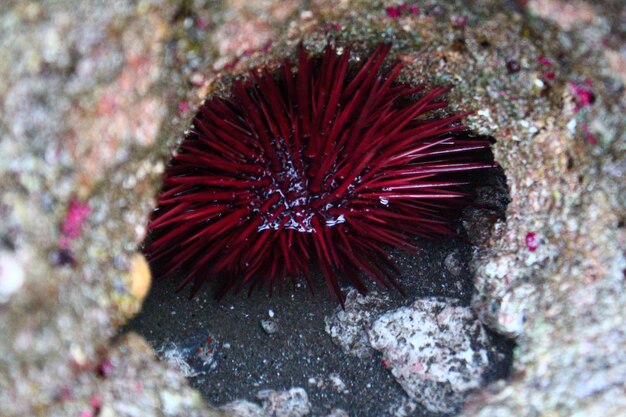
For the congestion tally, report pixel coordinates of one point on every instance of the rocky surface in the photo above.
(81, 114)
(436, 349)
(348, 327)
(95, 96)
(290, 403)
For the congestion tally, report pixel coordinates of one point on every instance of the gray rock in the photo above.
(347, 326)
(291, 403)
(436, 349)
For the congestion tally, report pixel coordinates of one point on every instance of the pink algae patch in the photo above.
(395, 12)
(591, 138)
(584, 94)
(72, 225)
(545, 61)
(532, 242)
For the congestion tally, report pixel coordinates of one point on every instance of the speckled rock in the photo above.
(348, 326)
(81, 111)
(94, 97)
(553, 273)
(128, 370)
(291, 403)
(436, 349)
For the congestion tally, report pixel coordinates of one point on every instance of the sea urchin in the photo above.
(318, 163)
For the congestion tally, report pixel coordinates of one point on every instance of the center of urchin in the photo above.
(289, 202)
(327, 164)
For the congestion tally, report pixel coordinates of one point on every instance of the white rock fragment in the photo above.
(337, 412)
(453, 263)
(269, 326)
(513, 307)
(404, 408)
(337, 383)
(172, 402)
(347, 327)
(316, 382)
(291, 403)
(193, 357)
(242, 408)
(11, 275)
(437, 350)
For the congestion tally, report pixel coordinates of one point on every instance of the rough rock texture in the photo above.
(80, 116)
(436, 349)
(554, 273)
(291, 403)
(95, 95)
(128, 383)
(348, 327)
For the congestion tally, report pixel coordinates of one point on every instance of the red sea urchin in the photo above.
(324, 164)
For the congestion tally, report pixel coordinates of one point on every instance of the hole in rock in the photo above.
(235, 347)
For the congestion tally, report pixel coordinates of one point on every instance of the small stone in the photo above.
(437, 350)
(242, 408)
(291, 403)
(453, 263)
(347, 326)
(140, 276)
(337, 412)
(11, 275)
(532, 242)
(338, 383)
(269, 326)
(197, 79)
(512, 66)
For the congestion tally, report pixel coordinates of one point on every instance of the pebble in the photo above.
(11, 275)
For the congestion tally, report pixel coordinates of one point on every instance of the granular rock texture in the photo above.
(291, 403)
(348, 327)
(436, 349)
(128, 383)
(95, 95)
(80, 115)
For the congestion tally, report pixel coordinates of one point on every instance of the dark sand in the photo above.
(254, 360)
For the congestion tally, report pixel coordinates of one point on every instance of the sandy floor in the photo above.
(300, 353)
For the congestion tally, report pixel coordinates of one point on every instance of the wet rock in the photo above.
(80, 121)
(129, 370)
(291, 403)
(509, 311)
(405, 408)
(11, 275)
(269, 326)
(338, 412)
(194, 357)
(453, 263)
(80, 115)
(347, 327)
(436, 349)
(478, 222)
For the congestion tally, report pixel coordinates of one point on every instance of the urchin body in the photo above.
(323, 164)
